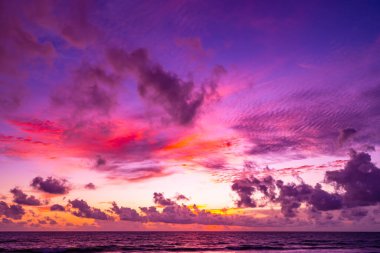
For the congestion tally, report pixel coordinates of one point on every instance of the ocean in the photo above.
(189, 241)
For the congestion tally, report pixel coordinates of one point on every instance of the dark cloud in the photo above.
(345, 134)
(359, 179)
(126, 213)
(175, 213)
(176, 96)
(57, 207)
(291, 197)
(11, 211)
(92, 89)
(42, 222)
(21, 198)
(85, 211)
(245, 190)
(354, 214)
(369, 148)
(182, 214)
(51, 185)
(182, 197)
(325, 201)
(159, 199)
(100, 162)
(247, 186)
(6, 221)
(51, 221)
(45, 221)
(90, 186)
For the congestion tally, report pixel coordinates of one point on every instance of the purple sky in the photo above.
(189, 115)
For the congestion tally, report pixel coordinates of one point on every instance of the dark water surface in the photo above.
(188, 241)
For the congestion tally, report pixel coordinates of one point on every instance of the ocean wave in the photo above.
(188, 242)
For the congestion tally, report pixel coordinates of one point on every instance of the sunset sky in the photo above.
(190, 115)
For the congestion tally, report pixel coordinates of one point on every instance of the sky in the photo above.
(190, 115)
